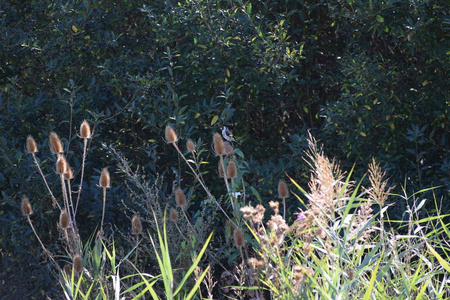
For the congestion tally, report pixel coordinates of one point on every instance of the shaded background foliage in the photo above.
(367, 79)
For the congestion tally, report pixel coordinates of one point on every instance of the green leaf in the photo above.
(380, 19)
(214, 120)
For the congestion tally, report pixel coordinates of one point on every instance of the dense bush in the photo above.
(367, 80)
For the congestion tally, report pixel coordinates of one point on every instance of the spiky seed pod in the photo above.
(78, 263)
(104, 180)
(85, 130)
(173, 215)
(219, 147)
(180, 198)
(283, 191)
(171, 136)
(190, 145)
(69, 174)
(220, 169)
(31, 145)
(26, 206)
(61, 165)
(64, 219)
(136, 225)
(239, 239)
(56, 145)
(229, 150)
(231, 170)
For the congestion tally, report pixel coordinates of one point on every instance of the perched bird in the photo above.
(227, 135)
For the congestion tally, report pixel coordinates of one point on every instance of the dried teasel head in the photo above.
(219, 147)
(228, 148)
(173, 215)
(26, 206)
(283, 191)
(171, 136)
(69, 174)
(105, 179)
(61, 165)
(85, 130)
(231, 170)
(55, 143)
(190, 146)
(31, 145)
(136, 225)
(239, 239)
(180, 198)
(78, 263)
(64, 219)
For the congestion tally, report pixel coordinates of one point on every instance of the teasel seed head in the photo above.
(229, 150)
(231, 170)
(173, 215)
(64, 219)
(171, 136)
(85, 130)
(69, 174)
(104, 180)
(26, 206)
(239, 239)
(31, 145)
(283, 191)
(78, 263)
(136, 225)
(219, 147)
(190, 146)
(61, 165)
(180, 198)
(56, 145)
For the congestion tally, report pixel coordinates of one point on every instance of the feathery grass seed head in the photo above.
(56, 145)
(31, 145)
(26, 206)
(61, 165)
(274, 206)
(78, 263)
(136, 225)
(64, 219)
(283, 191)
(190, 146)
(231, 170)
(219, 147)
(171, 136)
(180, 198)
(85, 130)
(105, 179)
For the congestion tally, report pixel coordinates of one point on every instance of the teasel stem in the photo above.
(193, 171)
(49, 254)
(66, 201)
(54, 202)
(82, 174)
(103, 210)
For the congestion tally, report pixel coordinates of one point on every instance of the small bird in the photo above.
(226, 133)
